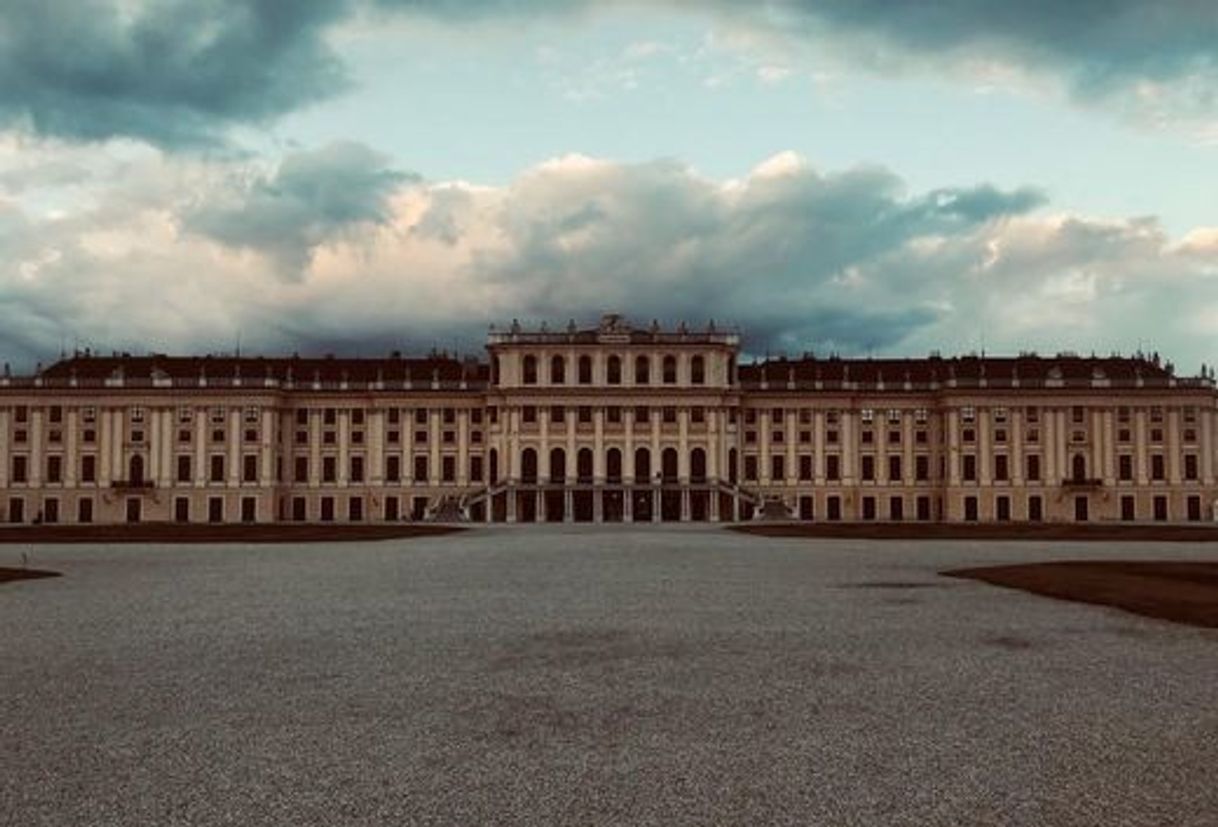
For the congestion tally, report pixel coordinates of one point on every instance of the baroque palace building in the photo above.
(614, 423)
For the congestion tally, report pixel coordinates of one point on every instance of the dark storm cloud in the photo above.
(1102, 44)
(171, 72)
(312, 198)
(181, 73)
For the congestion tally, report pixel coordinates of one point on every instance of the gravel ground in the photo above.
(574, 675)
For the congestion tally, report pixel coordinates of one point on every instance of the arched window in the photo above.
(642, 369)
(585, 370)
(558, 465)
(583, 465)
(732, 463)
(1080, 467)
(697, 465)
(613, 465)
(668, 463)
(135, 469)
(615, 370)
(670, 370)
(642, 465)
(558, 370)
(494, 466)
(530, 369)
(697, 370)
(528, 465)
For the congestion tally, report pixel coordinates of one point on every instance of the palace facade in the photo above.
(613, 423)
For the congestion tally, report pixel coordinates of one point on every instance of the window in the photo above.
(614, 414)
(357, 469)
(184, 468)
(1033, 467)
(357, 416)
(20, 469)
(1125, 467)
(969, 467)
(55, 468)
(249, 468)
(1156, 414)
(670, 370)
(697, 371)
(585, 370)
(420, 416)
(475, 469)
(1190, 467)
(217, 416)
(448, 469)
(868, 468)
(670, 415)
(805, 467)
(750, 468)
(55, 414)
(1001, 472)
(614, 372)
(558, 370)
(84, 510)
(88, 468)
(833, 467)
(968, 414)
(251, 434)
(894, 469)
(556, 414)
(1000, 435)
(251, 415)
(393, 468)
(1000, 415)
(89, 414)
(329, 469)
(894, 416)
(867, 415)
(778, 469)
(894, 437)
(530, 369)
(137, 414)
(528, 414)
(217, 435)
(1157, 467)
(21, 413)
(420, 469)
(922, 468)
(968, 435)
(641, 370)
(217, 468)
(697, 414)
(301, 469)
(920, 416)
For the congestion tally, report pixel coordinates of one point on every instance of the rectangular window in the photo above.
(249, 468)
(393, 468)
(475, 469)
(894, 469)
(867, 473)
(357, 469)
(300, 471)
(448, 469)
(833, 467)
(777, 468)
(84, 510)
(750, 468)
(55, 468)
(1033, 467)
(1190, 467)
(420, 469)
(329, 469)
(88, 468)
(805, 467)
(969, 468)
(183, 468)
(1157, 467)
(20, 469)
(1125, 467)
(1000, 468)
(217, 468)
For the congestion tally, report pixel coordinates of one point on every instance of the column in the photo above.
(714, 446)
(818, 446)
(376, 446)
(315, 448)
(791, 437)
(683, 445)
(764, 434)
(71, 460)
(266, 449)
(463, 446)
(433, 446)
(1062, 432)
(598, 448)
(234, 446)
(850, 447)
(985, 447)
(1048, 441)
(907, 448)
(1108, 449)
(1016, 436)
(202, 420)
(1140, 455)
(36, 450)
(1205, 423)
(953, 447)
(5, 460)
(1173, 445)
(344, 446)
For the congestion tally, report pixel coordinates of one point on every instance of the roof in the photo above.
(327, 369)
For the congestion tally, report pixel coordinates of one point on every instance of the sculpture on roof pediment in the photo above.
(613, 323)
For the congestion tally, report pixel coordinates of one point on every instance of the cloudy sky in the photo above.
(865, 176)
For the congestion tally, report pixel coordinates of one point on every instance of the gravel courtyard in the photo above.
(576, 675)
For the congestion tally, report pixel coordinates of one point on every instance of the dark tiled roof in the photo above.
(995, 370)
(327, 369)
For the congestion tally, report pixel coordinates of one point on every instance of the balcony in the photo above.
(133, 485)
(1082, 483)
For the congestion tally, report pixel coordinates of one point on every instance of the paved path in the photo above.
(574, 675)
